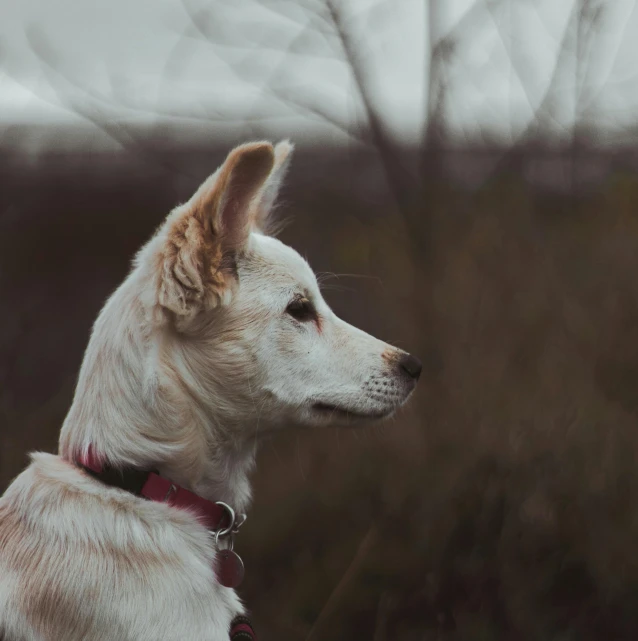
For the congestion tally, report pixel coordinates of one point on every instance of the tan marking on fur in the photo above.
(391, 355)
(51, 611)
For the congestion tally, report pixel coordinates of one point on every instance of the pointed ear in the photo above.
(202, 237)
(263, 206)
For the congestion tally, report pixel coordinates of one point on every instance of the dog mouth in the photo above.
(338, 411)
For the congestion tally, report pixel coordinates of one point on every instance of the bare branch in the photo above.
(514, 58)
(542, 110)
(381, 139)
(283, 97)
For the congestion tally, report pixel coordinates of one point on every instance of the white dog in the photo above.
(218, 336)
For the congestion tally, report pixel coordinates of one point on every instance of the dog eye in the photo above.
(301, 309)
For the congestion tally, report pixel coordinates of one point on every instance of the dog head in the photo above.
(250, 330)
(220, 334)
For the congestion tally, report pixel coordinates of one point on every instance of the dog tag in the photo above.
(230, 568)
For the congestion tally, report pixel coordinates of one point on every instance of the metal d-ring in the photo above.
(230, 539)
(229, 529)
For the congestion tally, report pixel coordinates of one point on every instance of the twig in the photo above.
(331, 604)
(381, 623)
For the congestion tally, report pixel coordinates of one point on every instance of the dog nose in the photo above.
(411, 365)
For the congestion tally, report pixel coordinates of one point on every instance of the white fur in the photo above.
(188, 366)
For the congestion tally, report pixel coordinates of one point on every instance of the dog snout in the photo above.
(411, 366)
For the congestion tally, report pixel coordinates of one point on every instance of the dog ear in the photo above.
(263, 205)
(203, 236)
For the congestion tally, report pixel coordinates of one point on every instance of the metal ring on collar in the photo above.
(231, 526)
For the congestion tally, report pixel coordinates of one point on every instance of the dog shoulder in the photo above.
(71, 550)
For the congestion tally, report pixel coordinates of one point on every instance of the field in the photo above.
(502, 503)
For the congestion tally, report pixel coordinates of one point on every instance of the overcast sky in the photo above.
(141, 60)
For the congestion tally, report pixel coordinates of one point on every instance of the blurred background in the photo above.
(467, 172)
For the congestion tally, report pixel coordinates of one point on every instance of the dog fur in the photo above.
(218, 336)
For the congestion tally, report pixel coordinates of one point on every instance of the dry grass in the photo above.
(501, 505)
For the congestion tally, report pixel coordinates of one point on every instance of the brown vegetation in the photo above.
(501, 505)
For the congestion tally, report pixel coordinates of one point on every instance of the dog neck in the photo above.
(217, 471)
(135, 411)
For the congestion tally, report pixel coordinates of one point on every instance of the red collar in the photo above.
(217, 517)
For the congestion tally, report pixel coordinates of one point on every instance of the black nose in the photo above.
(411, 365)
